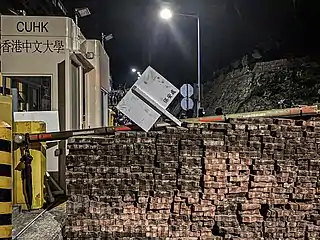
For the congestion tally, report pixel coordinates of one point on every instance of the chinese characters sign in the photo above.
(170, 95)
(35, 46)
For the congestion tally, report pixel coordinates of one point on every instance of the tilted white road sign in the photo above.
(148, 99)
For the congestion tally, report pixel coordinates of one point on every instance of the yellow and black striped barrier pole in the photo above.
(5, 182)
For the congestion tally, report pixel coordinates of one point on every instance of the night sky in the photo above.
(229, 30)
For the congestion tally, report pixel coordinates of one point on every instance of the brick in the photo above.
(247, 206)
(253, 179)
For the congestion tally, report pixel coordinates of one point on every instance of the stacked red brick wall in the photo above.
(247, 179)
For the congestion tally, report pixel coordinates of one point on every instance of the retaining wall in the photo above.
(262, 85)
(247, 179)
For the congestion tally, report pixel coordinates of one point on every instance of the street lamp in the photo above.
(105, 38)
(133, 70)
(81, 12)
(167, 14)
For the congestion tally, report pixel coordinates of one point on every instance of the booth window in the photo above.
(75, 96)
(5, 85)
(84, 119)
(104, 108)
(34, 93)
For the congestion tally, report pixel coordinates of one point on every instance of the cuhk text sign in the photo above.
(32, 26)
(44, 26)
(32, 46)
(33, 35)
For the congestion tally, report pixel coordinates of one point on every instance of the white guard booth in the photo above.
(54, 68)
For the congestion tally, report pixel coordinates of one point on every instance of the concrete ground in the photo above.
(49, 226)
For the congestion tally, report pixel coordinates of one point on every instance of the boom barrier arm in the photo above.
(55, 136)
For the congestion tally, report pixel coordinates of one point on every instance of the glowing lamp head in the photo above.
(166, 14)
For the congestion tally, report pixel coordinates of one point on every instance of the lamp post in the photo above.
(167, 14)
(81, 12)
(106, 38)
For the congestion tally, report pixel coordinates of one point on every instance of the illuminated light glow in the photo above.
(166, 14)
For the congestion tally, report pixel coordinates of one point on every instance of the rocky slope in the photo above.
(262, 85)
